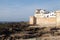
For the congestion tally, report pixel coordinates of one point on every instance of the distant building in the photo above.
(45, 18)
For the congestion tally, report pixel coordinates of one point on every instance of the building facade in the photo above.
(45, 18)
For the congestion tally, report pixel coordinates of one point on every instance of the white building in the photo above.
(45, 18)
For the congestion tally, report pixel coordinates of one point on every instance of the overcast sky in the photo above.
(20, 10)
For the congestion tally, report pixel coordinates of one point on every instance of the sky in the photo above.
(20, 10)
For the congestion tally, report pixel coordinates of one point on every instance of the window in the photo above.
(47, 15)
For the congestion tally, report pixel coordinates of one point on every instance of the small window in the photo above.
(47, 16)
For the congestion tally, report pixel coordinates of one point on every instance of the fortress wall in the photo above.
(32, 20)
(46, 21)
(58, 17)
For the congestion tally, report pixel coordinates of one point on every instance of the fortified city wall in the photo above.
(45, 20)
